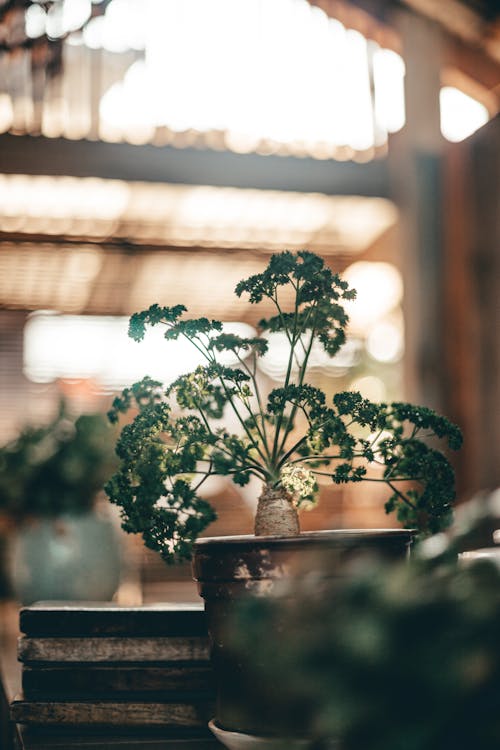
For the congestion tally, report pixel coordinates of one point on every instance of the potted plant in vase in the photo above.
(178, 439)
(60, 547)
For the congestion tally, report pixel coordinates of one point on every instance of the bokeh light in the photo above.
(461, 115)
(338, 99)
(370, 386)
(316, 101)
(385, 340)
(274, 363)
(379, 288)
(97, 347)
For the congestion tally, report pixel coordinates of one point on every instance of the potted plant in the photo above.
(178, 439)
(49, 478)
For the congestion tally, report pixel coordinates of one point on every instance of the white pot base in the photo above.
(241, 741)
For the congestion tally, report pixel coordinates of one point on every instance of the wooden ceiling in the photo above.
(98, 280)
(109, 247)
(75, 275)
(471, 30)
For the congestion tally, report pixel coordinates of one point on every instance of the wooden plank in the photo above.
(84, 682)
(111, 713)
(10, 680)
(64, 738)
(120, 161)
(96, 650)
(51, 619)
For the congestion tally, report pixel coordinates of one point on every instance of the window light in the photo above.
(461, 115)
(281, 72)
(98, 347)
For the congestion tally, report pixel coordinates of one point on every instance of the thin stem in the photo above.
(201, 347)
(249, 435)
(255, 469)
(292, 340)
(302, 373)
(391, 470)
(292, 450)
(261, 430)
(211, 358)
(401, 496)
(204, 478)
(376, 437)
(394, 479)
(204, 418)
(323, 457)
(321, 473)
(259, 474)
(318, 457)
(369, 479)
(280, 312)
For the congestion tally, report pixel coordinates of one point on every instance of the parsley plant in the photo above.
(175, 442)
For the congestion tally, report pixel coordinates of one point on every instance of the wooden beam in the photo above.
(483, 181)
(350, 12)
(46, 156)
(454, 16)
(472, 294)
(473, 49)
(369, 17)
(475, 29)
(476, 66)
(415, 157)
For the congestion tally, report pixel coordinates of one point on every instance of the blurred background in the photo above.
(158, 151)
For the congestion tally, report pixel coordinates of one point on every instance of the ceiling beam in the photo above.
(369, 17)
(454, 15)
(45, 156)
(470, 44)
(457, 18)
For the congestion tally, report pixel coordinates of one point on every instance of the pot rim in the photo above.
(250, 540)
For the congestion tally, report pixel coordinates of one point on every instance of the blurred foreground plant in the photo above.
(404, 658)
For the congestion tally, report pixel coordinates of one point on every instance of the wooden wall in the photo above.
(472, 256)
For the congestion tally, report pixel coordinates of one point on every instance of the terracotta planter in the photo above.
(228, 568)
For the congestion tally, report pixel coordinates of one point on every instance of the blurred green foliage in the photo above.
(56, 468)
(404, 658)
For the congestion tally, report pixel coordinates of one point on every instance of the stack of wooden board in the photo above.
(94, 665)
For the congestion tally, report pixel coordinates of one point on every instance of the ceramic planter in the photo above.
(228, 568)
(243, 741)
(65, 557)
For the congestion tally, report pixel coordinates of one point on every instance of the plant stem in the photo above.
(261, 430)
(302, 373)
(212, 359)
(401, 496)
(293, 342)
(249, 435)
(292, 450)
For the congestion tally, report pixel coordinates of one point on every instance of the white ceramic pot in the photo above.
(71, 557)
(243, 741)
